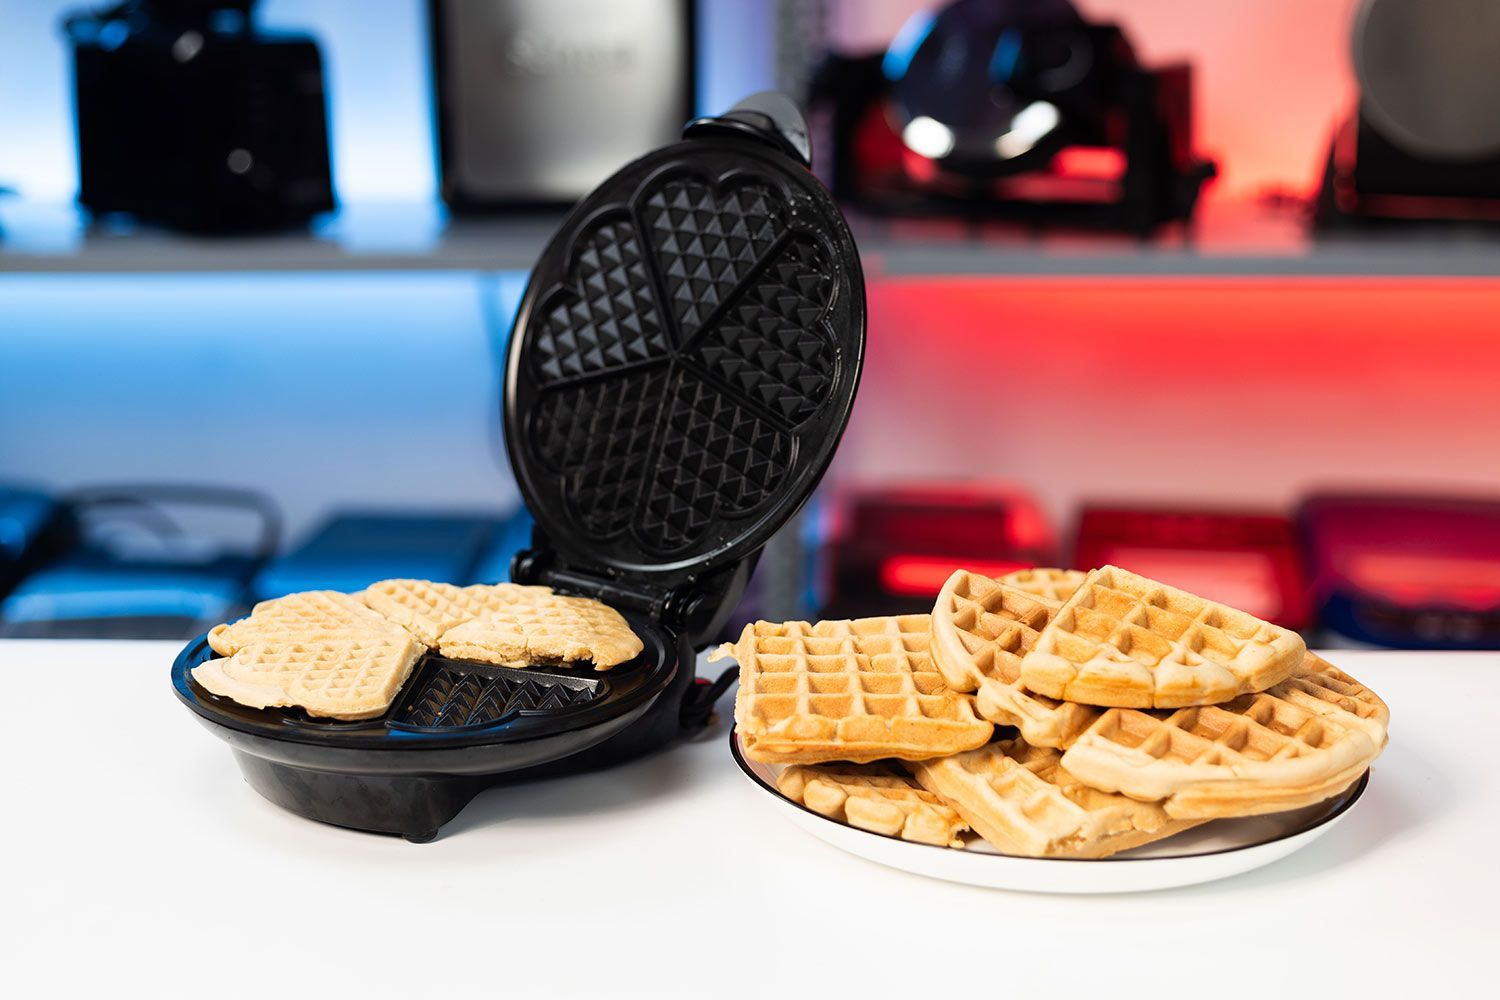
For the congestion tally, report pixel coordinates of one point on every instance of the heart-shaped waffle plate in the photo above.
(685, 359)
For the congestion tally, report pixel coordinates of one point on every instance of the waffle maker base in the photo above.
(458, 729)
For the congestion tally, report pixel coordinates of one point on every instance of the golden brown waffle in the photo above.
(334, 675)
(313, 612)
(1128, 642)
(980, 631)
(1020, 799)
(873, 799)
(1298, 743)
(1049, 585)
(545, 629)
(846, 690)
(428, 610)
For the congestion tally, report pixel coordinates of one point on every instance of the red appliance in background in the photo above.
(890, 550)
(1246, 560)
(1406, 572)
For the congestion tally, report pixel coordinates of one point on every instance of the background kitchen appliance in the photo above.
(1014, 109)
(539, 100)
(891, 549)
(353, 549)
(680, 371)
(33, 526)
(190, 116)
(136, 564)
(1248, 560)
(1424, 143)
(1408, 572)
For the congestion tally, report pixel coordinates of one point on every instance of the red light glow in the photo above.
(1416, 579)
(924, 576)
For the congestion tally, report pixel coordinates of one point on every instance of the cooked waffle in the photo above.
(1128, 642)
(428, 610)
(1020, 799)
(335, 675)
(980, 631)
(1049, 585)
(545, 629)
(1300, 742)
(873, 799)
(846, 690)
(313, 612)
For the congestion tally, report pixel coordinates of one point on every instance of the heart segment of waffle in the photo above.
(427, 610)
(980, 631)
(1049, 585)
(1125, 641)
(297, 616)
(871, 798)
(1296, 744)
(550, 629)
(675, 368)
(1021, 800)
(335, 675)
(854, 691)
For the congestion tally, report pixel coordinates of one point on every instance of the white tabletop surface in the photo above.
(137, 862)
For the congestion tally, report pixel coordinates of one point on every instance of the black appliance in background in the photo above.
(189, 116)
(135, 563)
(1424, 142)
(34, 526)
(1013, 109)
(539, 100)
(892, 548)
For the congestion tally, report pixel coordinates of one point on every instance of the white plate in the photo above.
(1212, 851)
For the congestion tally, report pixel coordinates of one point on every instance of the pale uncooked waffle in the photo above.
(1128, 642)
(871, 798)
(846, 690)
(1300, 742)
(545, 629)
(980, 631)
(334, 675)
(428, 610)
(312, 612)
(1048, 584)
(1021, 800)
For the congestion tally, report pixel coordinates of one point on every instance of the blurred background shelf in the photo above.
(1232, 237)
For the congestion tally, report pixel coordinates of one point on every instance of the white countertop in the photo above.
(135, 858)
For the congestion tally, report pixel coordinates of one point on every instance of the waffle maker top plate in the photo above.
(681, 368)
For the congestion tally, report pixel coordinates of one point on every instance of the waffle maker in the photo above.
(681, 368)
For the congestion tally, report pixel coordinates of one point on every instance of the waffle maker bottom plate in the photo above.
(458, 728)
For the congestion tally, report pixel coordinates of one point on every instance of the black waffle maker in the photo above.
(679, 374)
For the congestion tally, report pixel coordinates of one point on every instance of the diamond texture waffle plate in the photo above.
(685, 359)
(458, 694)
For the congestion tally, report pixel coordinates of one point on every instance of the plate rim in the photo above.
(1352, 795)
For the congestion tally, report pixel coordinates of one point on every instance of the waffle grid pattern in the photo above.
(847, 690)
(665, 434)
(1125, 641)
(1022, 801)
(1053, 586)
(428, 609)
(870, 798)
(336, 676)
(1258, 753)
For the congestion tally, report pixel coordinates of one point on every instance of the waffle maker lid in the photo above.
(685, 357)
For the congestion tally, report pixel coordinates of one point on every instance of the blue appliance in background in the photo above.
(353, 549)
(132, 566)
(32, 527)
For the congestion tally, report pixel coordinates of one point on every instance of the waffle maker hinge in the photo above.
(694, 608)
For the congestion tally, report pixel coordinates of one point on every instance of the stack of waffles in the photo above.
(1052, 713)
(347, 656)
